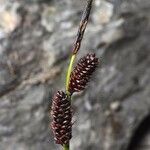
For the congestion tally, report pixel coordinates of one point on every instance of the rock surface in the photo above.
(36, 37)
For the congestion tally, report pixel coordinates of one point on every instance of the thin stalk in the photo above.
(69, 73)
(76, 47)
(66, 147)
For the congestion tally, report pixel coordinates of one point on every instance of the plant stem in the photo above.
(69, 73)
(76, 47)
(66, 147)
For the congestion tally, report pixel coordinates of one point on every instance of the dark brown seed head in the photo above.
(61, 114)
(82, 73)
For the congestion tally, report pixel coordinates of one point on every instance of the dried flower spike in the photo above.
(61, 114)
(82, 73)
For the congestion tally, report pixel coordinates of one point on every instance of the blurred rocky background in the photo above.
(36, 38)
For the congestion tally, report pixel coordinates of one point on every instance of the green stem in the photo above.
(66, 147)
(69, 73)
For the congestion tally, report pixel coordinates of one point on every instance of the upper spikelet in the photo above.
(82, 72)
(61, 114)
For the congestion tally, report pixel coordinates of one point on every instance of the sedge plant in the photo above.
(76, 80)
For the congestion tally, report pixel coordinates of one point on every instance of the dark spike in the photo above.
(82, 26)
(82, 73)
(61, 114)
